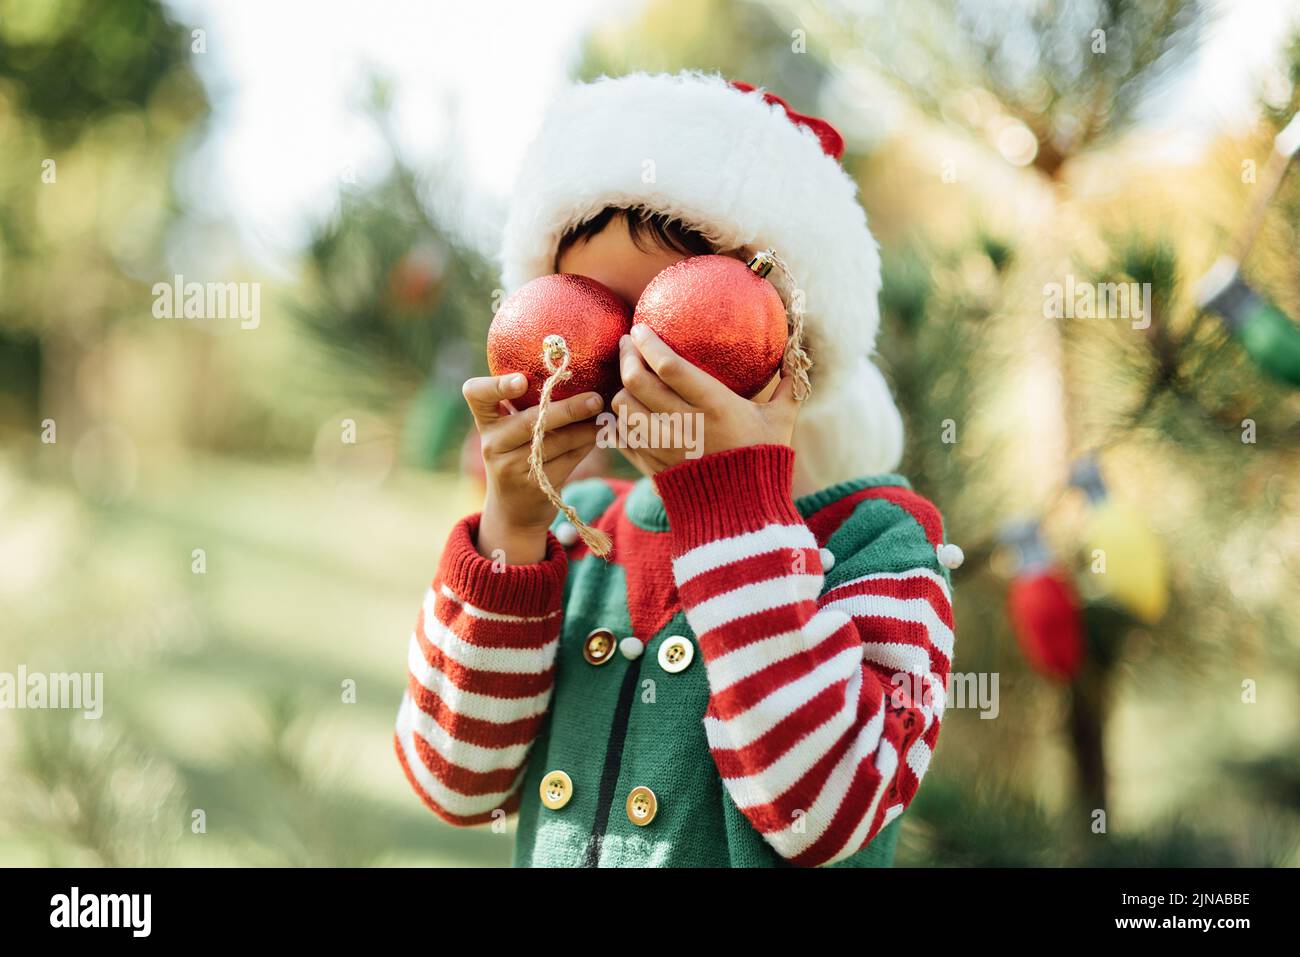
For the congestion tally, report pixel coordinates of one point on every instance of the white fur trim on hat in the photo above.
(849, 428)
(740, 171)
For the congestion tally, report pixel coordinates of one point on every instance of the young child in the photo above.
(756, 675)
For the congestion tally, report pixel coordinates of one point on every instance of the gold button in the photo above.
(599, 647)
(557, 789)
(676, 654)
(642, 806)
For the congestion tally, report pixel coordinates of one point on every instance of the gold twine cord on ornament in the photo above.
(795, 361)
(556, 356)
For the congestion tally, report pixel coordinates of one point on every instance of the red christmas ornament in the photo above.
(589, 317)
(721, 315)
(1044, 611)
(414, 280)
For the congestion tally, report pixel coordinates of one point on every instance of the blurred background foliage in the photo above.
(1015, 155)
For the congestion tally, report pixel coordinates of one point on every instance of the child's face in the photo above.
(611, 258)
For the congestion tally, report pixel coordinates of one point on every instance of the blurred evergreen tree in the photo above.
(96, 103)
(1075, 73)
(395, 289)
(739, 39)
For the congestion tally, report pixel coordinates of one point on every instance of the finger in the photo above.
(561, 467)
(580, 435)
(484, 394)
(516, 430)
(784, 394)
(642, 382)
(627, 408)
(768, 391)
(624, 399)
(783, 405)
(689, 381)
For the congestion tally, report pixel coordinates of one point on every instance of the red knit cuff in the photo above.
(507, 589)
(728, 493)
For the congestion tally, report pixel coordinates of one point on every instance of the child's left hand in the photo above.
(656, 379)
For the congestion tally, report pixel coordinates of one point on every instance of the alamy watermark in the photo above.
(652, 430)
(1098, 300)
(58, 690)
(128, 911)
(977, 690)
(179, 299)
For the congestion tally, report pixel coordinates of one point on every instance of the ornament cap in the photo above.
(554, 352)
(1085, 475)
(1219, 277)
(1223, 291)
(1023, 535)
(763, 263)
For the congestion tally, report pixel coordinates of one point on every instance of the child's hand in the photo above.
(656, 379)
(516, 513)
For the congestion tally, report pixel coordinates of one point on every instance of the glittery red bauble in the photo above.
(717, 313)
(589, 317)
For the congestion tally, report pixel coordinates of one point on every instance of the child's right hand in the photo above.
(516, 514)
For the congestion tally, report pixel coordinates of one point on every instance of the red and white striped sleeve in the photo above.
(824, 705)
(481, 665)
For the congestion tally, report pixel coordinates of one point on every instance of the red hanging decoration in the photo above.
(1044, 611)
(415, 279)
(562, 332)
(584, 313)
(721, 315)
(1043, 606)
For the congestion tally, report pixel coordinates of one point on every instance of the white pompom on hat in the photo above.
(748, 173)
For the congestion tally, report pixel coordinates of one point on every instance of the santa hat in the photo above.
(748, 173)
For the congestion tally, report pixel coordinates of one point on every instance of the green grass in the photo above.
(223, 691)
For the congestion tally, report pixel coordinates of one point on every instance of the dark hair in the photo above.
(642, 226)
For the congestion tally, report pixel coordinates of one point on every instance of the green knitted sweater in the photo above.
(816, 636)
